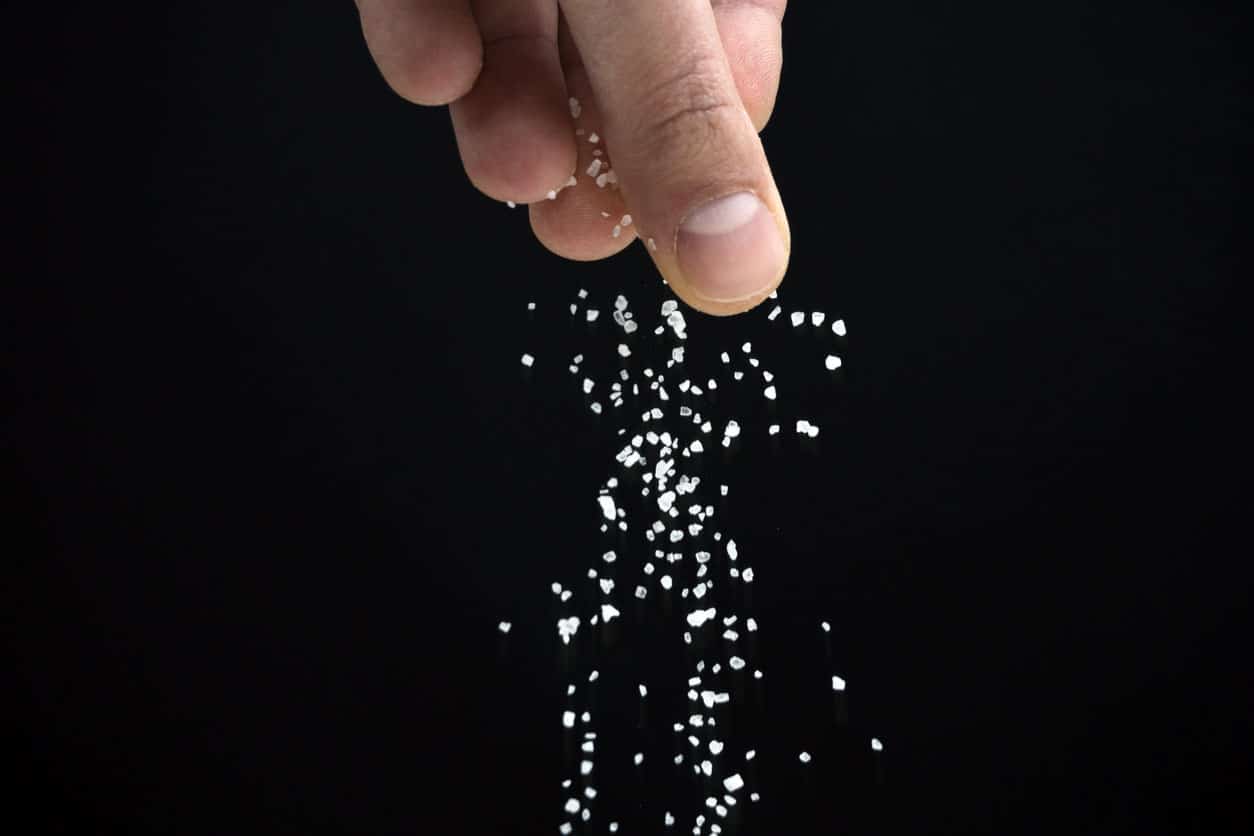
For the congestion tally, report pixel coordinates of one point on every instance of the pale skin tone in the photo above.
(676, 92)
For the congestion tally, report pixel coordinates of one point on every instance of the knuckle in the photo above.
(687, 112)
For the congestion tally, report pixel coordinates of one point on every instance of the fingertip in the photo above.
(513, 129)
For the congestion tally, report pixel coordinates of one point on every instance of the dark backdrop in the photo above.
(277, 474)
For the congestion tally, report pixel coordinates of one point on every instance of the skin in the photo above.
(676, 90)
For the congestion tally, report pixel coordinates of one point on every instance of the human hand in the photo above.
(674, 93)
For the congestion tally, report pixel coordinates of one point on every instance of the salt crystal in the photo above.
(602, 179)
(797, 318)
(827, 627)
(568, 719)
(669, 820)
(816, 318)
(616, 231)
(747, 348)
(607, 507)
(751, 625)
(733, 782)
(838, 684)
(566, 829)
(644, 692)
(528, 360)
(838, 328)
(594, 169)
(575, 108)
(774, 313)
(832, 362)
(592, 314)
(626, 221)
(585, 767)
(594, 138)
(769, 392)
(773, 429)
(638, 758)
(751, 754)
(716, 747)
(504, 626)
(805, 757)
(876, 746)
(623, 350)
(608, 612)
(736, 663)
(552, 195)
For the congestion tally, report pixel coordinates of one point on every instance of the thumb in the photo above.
(689, 162)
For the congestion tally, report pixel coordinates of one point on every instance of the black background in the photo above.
(278, 473)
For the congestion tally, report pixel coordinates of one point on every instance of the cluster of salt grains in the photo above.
(660, 459)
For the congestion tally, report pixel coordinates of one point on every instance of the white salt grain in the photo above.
(838, 328)
(804, 757)
(769, 392)
(626, 221)
(623, 350)
(838, 684)
(504, 626)
(568, 719)
(774, 313)
(616, 231)
(797, 318)
(816, 318)
(832, 362)
(528, 360)
(575, 108)
(733, 782)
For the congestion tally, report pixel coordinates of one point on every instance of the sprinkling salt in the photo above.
(797, 318)
(805, 757)
(769, 392)
(838, 684)
(838, 328)
(568, 719)
(623, 350)
(832, 362)
(827, 627)
(733, 782)
(774, 313)
(528, 360)
(504, 626)
(594, 138)
(616, 231)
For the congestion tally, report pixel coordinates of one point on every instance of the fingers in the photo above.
(751, 35)
(428, 50)
(514, 128)
(689, 162)
(580, 223)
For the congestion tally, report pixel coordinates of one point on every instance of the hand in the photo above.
(671, 93)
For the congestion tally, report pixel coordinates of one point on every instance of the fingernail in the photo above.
(730, 248)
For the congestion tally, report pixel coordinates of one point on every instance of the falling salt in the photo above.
(838, 684)
(838, 328)
(876, 746)
(804, 757)
(797, 318)
(528, 360)
(504, 626)
(832, 362)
